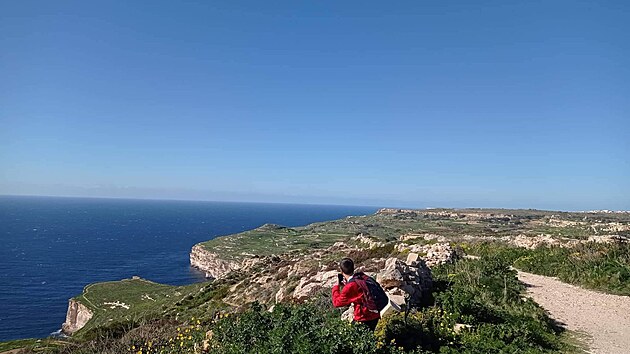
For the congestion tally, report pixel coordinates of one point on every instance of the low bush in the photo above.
(603, 267)
(599, 266)
(484, 297)
(308, 328)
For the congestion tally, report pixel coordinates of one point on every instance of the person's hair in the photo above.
(347, 266)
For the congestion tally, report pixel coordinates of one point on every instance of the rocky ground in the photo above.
(604, 318)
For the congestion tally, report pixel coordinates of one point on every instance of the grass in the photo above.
(575, 342)
(44, 345)
(14, 344)
(598, 266)
(487, 296)
(130, 300)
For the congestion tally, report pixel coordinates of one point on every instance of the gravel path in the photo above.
(605, 318)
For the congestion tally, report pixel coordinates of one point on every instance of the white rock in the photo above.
(390, 308)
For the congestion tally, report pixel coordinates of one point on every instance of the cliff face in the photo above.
(76, 317)
(211, 263)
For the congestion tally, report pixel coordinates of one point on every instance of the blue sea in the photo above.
(50, 247)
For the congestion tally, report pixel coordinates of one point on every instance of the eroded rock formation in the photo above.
(211, 263)
(76, 317)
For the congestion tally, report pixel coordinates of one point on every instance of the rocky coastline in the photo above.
(77, 317)
(273, 264)
(211, 263)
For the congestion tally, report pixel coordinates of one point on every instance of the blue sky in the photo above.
(412, 103)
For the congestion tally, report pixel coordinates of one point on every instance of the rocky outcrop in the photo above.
(309, 286)
(411, 280)
(76, 317)
(211, 263)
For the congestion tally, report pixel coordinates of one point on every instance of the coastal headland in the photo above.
(274, 265)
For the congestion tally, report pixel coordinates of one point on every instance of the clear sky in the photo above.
(407, 103)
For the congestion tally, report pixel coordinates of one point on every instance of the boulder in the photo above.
(390, 308)
(308, 286)
(390, 277)
(398, 300)
(328, 278)
(306, 291)
(401, 279)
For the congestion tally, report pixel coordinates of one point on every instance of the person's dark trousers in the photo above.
(370, 324)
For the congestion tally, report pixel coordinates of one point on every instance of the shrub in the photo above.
(308, 328)
(604, 267)
(486, 295)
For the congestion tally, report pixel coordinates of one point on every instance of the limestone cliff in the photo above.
(76, 317)
(211, 263)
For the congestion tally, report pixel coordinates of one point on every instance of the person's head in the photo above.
(347, 267)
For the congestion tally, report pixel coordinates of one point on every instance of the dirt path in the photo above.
(605, 318)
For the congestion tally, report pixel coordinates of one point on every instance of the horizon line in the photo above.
(303, 203)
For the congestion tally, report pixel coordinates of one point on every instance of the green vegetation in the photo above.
(309, 328)
(130, 300)
(604, 267)
(19, 343)
(482, 297)
(477, 305)
(453, 224)
(487, 297)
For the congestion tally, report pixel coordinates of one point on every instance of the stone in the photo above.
(390, 278)
(281, 294)
(397, 299)
(412, 257)
(391, 262)
(390, 308)
(368, 241)
(306, 291)
(394, 291)
(348, 315)
(460, 326)
(339, 244)
(328, 278)
(436, 254)
(205, 344)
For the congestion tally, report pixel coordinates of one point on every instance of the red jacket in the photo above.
(352, 294)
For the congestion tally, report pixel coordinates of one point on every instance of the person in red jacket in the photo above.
(351, 293)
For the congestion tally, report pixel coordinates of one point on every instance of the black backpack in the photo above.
(374, 296)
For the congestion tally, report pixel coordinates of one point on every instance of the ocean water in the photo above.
(50, 248)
